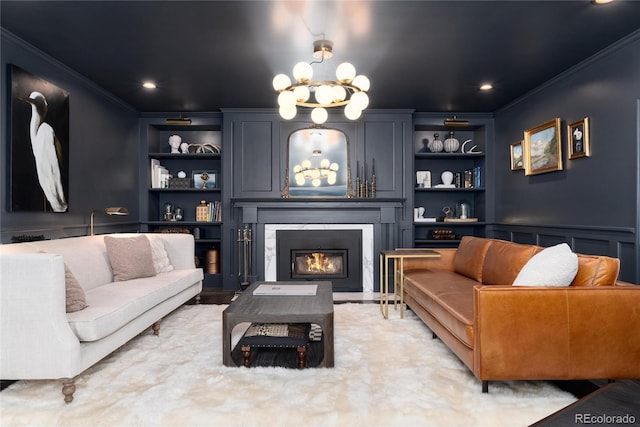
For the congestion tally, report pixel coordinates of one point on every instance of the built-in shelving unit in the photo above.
(156, 196)
(434, 199)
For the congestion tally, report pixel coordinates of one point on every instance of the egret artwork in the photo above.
(39, 144)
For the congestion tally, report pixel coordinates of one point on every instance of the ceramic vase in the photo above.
(436, 145)
(451, 144)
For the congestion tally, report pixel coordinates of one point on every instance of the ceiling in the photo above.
(422, 55)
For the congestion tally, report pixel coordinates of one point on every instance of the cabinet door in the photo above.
(255, 159)
(383, 143)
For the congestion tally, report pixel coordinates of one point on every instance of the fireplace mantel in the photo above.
(382, 214)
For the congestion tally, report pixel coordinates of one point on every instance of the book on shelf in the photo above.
(473, 177)
(159, 175)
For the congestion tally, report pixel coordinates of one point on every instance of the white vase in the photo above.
(451, 144)
(436, 145)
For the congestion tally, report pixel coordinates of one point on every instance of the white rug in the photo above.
(387, 373)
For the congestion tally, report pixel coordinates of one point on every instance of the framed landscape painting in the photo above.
(542, 148)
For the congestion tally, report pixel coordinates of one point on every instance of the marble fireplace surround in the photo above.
(379, 218)
(270, 230)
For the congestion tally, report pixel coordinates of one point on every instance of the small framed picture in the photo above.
(205, 180)
(578, 139)
(517, 157)
(423, 179)
(542, 148)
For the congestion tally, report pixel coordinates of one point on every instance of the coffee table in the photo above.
(317, 309)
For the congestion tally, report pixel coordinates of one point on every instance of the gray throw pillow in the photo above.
(130, 257)
(76, 299)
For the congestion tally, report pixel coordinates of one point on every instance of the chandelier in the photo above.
(348, 90)
(316, 170)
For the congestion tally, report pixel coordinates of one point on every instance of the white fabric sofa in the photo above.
(40, 340)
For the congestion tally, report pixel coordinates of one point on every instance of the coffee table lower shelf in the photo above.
(280, 357)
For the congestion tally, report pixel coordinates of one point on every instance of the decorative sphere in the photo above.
(339, 93)
(288, 112)
(352, 112)
(301, 93)
(360, 100)
(316, 182)
(287, 99)
(324, 95)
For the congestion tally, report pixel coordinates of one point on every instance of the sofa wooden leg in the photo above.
(433, 335)
(485, 386)
(198, 299)
(156, 328)
(68, 388)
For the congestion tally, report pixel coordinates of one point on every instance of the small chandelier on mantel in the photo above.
(348, 90)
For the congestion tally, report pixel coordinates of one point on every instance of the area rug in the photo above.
(387, 373)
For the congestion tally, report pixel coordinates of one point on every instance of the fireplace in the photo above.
(334, 255)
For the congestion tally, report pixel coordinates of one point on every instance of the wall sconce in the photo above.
(117, 210)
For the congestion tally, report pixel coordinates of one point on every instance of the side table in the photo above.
(396, 255)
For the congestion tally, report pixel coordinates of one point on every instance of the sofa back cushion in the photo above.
(504, 260)
(596, 270)
(470, 257)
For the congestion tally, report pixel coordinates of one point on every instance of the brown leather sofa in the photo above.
(589, 330)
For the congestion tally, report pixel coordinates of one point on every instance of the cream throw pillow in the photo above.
(130, 257)
(161, 262)
(554, 266)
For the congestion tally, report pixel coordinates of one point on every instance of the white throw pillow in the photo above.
(161, 262)
(554, 266)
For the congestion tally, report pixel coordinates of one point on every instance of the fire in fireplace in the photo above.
(334, 255)
(321, 264)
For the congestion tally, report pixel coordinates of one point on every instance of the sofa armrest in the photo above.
(36, 340)
(445, 262)
(556, 333)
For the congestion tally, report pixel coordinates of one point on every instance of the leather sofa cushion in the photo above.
(596, 271)
(504, 260)
(470, 257)
(447, 296)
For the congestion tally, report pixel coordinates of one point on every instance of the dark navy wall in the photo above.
(593, 202)
(103, 162)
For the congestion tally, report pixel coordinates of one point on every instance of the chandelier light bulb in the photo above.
(299, 179)
(351, 111)
(301, 93)
(334, 167)
(286, 99)
(331, 179)
(319, 115)
(315, 182)
(345, 72)
(324, 95)
(324, 164)
(362, 82)
(360, 100)
(281, 82)
(339, 93)
(306, 164)
(302, 72)
(288, 112)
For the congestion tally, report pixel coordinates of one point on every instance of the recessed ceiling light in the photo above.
(601, 1)
(486, 86)
(149, 85)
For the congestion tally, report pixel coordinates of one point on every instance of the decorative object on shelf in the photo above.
(517, 158)
(348, 90)
(116, 210)
(204, 180)
(451, 144)
(178, 215)
(203, 149)
(212, 265)
(448, 212)
(174, 142)
(442, 234)
(182, 174)
(209, 211)
(447, 180)
(196, 233)
(473, 149)
(578, 139)
(418, 213)
(366, 187)
(179, 182)
(184, 147)
(542, 149)
(168, 213)
(423, 179)
(436, 145)
(463, 210)
(202, 211)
